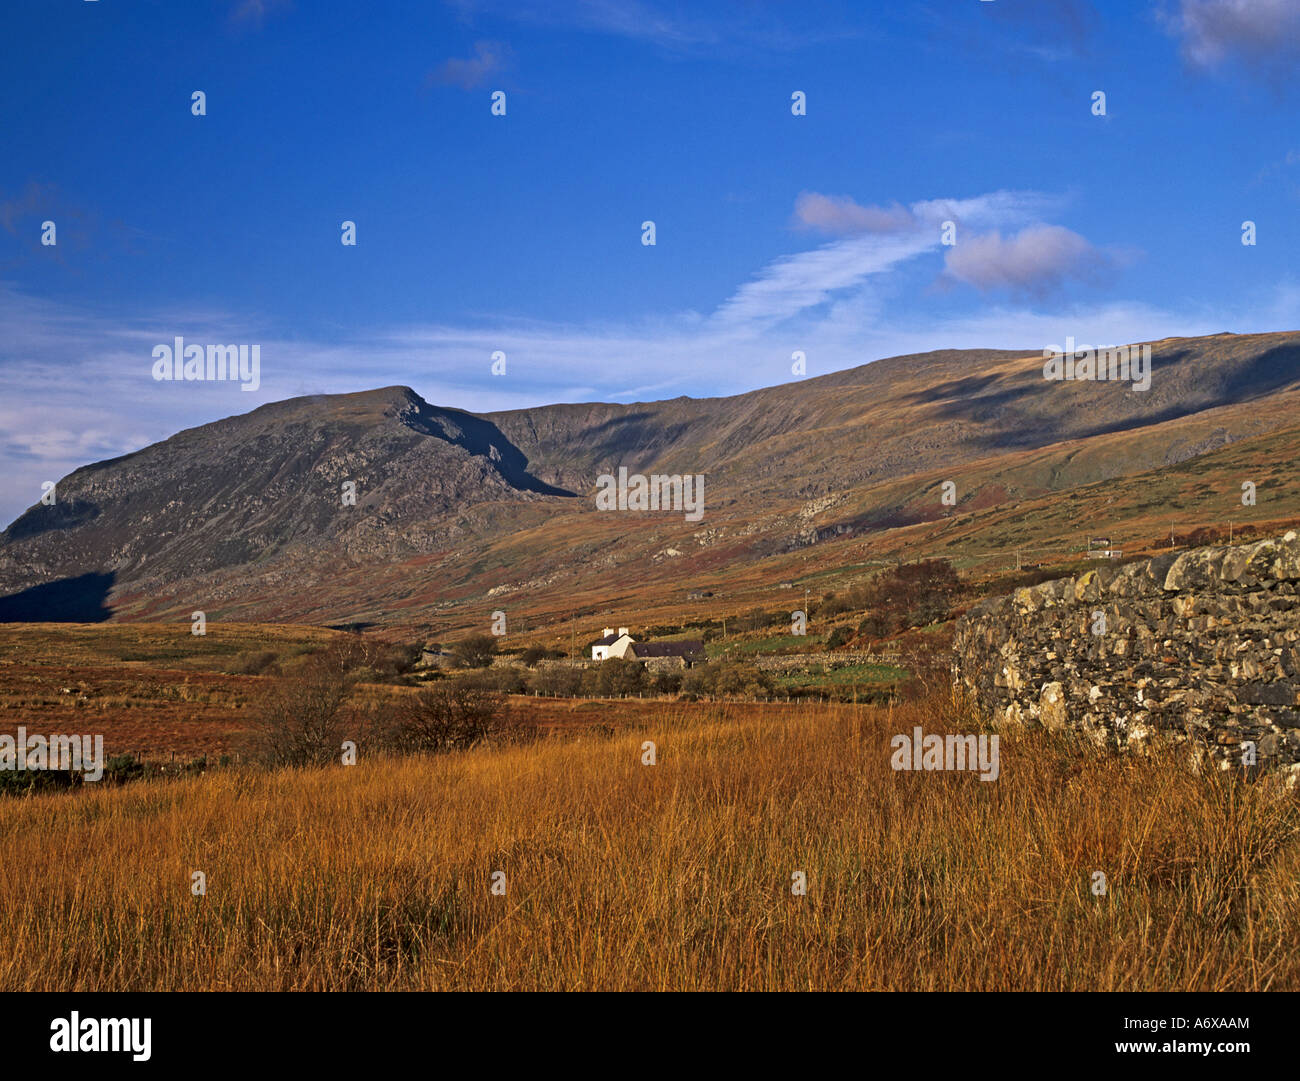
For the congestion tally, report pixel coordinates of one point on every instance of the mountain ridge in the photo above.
(249, 513)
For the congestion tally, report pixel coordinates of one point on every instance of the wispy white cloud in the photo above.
(489, 59)
(1262, 34)
(795, 283)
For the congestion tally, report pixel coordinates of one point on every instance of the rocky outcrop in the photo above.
(1201, 645)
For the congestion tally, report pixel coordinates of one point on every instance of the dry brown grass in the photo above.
(676, 875)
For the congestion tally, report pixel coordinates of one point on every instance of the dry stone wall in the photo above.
(1201, 645)
(799, 662)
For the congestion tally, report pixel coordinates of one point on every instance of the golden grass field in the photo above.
(672, 876)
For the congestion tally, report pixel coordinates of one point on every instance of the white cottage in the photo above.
(611, 644)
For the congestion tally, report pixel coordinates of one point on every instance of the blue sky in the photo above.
(522, 233)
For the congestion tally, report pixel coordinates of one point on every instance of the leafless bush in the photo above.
(301, 720)
(450, 715)
(556, 680)
(929, 667)
(475, 650)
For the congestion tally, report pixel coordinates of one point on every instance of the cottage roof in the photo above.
(666, 649)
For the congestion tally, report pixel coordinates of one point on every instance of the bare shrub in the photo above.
(556, 680)
(506, 678)
(304, 716)
(533, 655)
(614, 677)
(300, 720)
(450, 715)
(475, 650)
(726, 678)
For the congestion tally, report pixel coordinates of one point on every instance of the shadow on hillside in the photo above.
(639, 438)
(964, 389)
(83, 599)
(41, 518)
(1111, 406)
(482, 437)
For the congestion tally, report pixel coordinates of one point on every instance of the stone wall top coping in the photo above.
(1172, 572)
